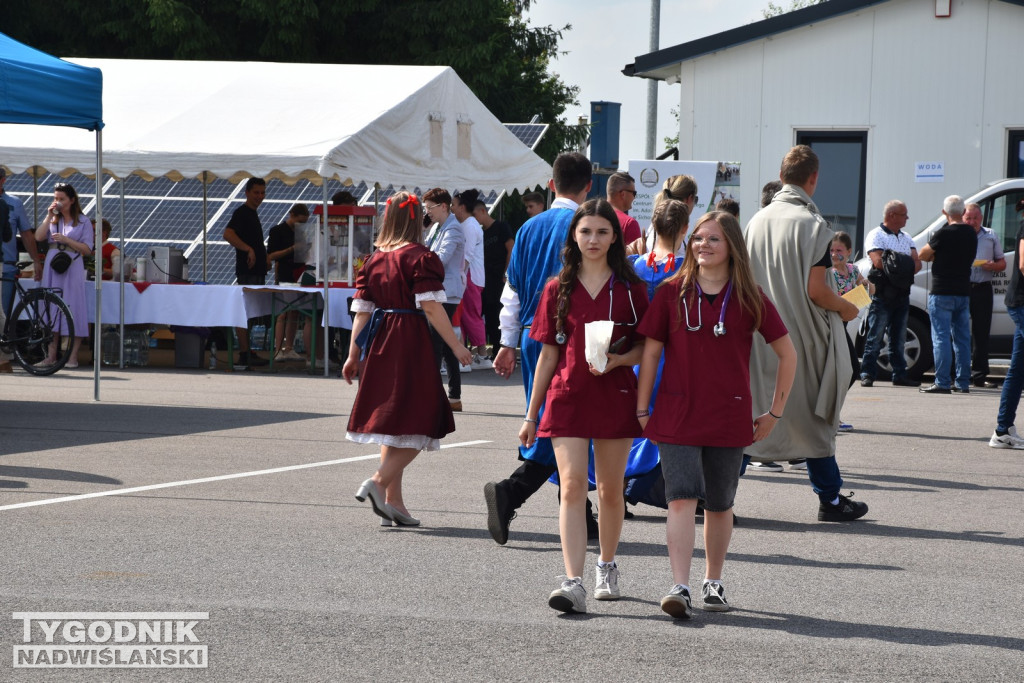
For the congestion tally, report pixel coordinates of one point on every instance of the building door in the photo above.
(841, 179)
(1015, 155)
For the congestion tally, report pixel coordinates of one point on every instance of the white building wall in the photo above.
(925, 89)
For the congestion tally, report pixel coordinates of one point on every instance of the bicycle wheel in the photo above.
(36, 322)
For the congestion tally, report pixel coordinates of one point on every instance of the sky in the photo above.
(608, 34)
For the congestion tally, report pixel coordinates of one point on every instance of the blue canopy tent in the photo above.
(39, 89)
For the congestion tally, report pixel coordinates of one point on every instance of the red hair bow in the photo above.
(411, 202)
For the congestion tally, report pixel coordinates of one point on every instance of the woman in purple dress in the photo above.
(66, 228)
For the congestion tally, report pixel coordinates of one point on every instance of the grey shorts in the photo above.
(711, 473)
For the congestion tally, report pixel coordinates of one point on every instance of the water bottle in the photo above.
(213, 355)
(129, 348)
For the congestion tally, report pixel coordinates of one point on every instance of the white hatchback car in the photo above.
(998, 202)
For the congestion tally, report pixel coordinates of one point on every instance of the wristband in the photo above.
(643, 413)
(528, 419)
(777, 417)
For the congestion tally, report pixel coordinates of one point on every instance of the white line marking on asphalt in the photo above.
(205, 480)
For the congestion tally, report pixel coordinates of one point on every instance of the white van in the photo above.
(998, 201)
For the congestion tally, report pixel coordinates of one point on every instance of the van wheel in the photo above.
(917, 350)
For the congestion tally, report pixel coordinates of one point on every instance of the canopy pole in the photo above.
(97, 348)
(327, 294)
(120, 278)
(205, 228)
(35, 196)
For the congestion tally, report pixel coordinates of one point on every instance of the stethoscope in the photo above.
(561, 338)
(719, 329)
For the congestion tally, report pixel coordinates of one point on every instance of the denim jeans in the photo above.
(951, 315)
(885, 318)
(1014, 383)
(823, 473)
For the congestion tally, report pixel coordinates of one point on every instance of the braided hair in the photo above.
(572, 257)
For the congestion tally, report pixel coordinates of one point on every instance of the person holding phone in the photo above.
(66, 229)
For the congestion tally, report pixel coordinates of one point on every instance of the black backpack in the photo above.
(895, 277)
(899, 269)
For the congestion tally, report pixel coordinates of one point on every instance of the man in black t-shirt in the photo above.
(245, 233)
(951, 249)
(498, 243)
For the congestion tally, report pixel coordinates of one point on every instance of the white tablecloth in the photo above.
(258, 300)
(203, 305)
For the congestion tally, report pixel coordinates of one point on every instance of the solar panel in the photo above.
(529, 134)
(220, 262)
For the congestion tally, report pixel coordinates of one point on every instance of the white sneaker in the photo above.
(1007, 440)
(482, 363)
(444, 369)
(571, 597)
(1012, 431)
(765, 467)
(607, 582)
(465, 368)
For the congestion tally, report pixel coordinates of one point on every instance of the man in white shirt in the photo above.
(990, 252)
(889, 308)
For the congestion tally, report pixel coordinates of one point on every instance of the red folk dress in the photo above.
(400, 401)
(704, 396)
(578, 403)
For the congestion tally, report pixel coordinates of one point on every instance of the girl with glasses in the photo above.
(704, 318)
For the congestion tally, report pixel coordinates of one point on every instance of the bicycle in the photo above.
(34, 324)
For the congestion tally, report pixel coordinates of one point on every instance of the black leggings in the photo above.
(443, 352)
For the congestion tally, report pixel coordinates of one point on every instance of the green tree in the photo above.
(489, 43)
(671, 142)
(775, 10)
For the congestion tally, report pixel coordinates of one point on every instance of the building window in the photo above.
(1015, 155)
(841, 179)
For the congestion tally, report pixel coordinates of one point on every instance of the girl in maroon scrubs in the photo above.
(581, 404)
(704, 318)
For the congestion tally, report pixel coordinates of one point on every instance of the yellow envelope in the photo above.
(858, 296)
(979, 262)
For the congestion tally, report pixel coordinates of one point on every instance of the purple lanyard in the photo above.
(719, 329)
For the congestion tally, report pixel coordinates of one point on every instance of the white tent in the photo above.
(417, 126)
(411, 126)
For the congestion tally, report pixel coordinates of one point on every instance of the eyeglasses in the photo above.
(429, 207)
(711, 241)
(632, 192)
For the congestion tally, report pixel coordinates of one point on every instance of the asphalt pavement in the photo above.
(233, 495)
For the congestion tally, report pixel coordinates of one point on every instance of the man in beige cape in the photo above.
(789, 245)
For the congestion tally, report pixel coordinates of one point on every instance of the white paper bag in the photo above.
(599, 338)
